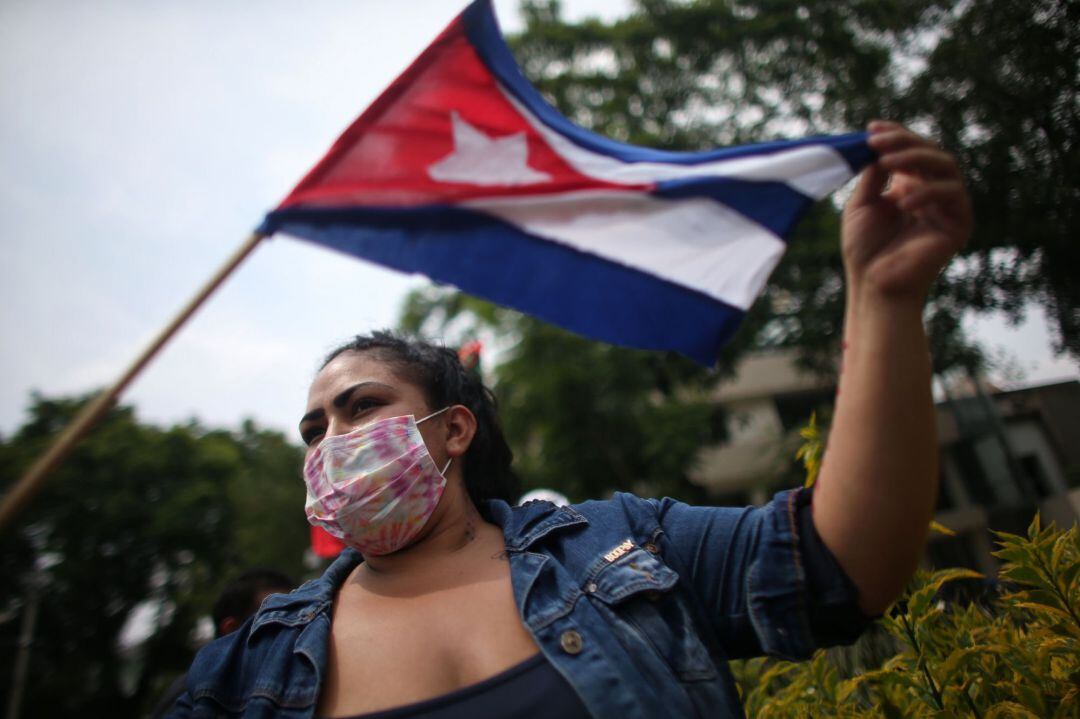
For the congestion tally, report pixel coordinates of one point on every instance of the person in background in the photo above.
(243, 596)
(240, 598)
(545, 495)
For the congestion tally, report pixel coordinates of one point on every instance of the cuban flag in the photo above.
(462, 172)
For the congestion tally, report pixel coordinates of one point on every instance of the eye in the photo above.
(363, 404)
(311, 434)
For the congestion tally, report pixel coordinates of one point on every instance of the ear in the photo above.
(460, 430)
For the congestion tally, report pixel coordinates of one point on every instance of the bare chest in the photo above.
(387, 651)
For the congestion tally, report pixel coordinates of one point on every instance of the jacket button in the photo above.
(591, 588)
(571, 642)
(652, 548)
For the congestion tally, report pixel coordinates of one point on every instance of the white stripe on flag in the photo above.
(814, 170)
(694, 242)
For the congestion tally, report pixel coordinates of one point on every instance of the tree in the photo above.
(139, 517)
(1002, 87)
(584, 418)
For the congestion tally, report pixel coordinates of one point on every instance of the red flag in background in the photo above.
(324, 544)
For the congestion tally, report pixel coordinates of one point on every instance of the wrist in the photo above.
(871, 315)
(866, 297)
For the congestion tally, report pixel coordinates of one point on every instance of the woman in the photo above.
(464, 606)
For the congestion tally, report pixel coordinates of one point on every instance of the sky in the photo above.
(140, 143)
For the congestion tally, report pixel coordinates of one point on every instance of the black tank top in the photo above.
(530, 690)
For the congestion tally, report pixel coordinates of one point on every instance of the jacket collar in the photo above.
(523, 526)
(304, 602)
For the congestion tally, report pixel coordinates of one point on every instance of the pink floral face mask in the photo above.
(375, 487)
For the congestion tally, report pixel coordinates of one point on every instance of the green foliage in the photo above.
(267, 497)
(1013, 652)
(812, 450)
(687, 75)
(1001, 89)
(584, 418)
(137, 516)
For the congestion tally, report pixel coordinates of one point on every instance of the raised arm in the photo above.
(875, 496)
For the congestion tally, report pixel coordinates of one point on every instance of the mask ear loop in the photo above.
(434, 414)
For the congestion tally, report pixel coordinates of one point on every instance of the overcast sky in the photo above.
(141, 142)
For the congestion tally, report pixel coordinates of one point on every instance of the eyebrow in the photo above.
(341, 399)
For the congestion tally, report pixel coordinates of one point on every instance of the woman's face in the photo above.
(353, 390)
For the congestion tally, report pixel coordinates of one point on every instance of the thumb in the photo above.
(869, 188)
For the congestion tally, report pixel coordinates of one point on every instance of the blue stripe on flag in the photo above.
(483, 32)
(773, 205)
(487, 257)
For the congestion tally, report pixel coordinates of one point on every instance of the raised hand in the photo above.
(909, 214)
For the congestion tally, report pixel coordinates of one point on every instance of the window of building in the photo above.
(795, 409)
(1033, 468)
(971, 471)
(945, 500)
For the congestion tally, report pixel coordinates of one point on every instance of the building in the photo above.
(764, 404)
(1004, 454)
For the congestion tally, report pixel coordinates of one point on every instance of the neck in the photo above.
(455, 532)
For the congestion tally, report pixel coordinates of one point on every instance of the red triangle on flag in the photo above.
(443, 132)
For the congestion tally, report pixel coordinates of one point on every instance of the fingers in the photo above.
(889, 137)
(883, 125)
(925, 161)
(870, 186)
(944, 204)
(915, 170)
(931, 192)
(900, 149)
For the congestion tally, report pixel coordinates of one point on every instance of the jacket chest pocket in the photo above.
(640, 596)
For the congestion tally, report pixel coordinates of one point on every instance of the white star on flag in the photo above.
(487, 161)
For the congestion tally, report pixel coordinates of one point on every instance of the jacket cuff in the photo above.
(799, 597)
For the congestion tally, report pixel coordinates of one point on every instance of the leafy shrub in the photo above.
(1006, 649)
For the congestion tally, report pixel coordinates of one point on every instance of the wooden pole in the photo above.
(31, 599)
(31, 482)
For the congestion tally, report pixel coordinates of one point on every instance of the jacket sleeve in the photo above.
(763, 575)
(181, 709)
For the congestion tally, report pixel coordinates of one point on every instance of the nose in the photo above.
(333, 429)
(337, 426)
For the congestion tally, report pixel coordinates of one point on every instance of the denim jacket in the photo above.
(637, 603)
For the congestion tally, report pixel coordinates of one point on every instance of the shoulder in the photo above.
(227, 655)
(265, 649)
(540, 517)
(588, 529)
(624, 512)
(686, 531)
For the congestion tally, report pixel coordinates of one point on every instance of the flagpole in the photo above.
(31, 482)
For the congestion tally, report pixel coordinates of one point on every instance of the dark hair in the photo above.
(240, 597)
(438, 373)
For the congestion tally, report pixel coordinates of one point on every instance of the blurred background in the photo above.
(140, 143)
